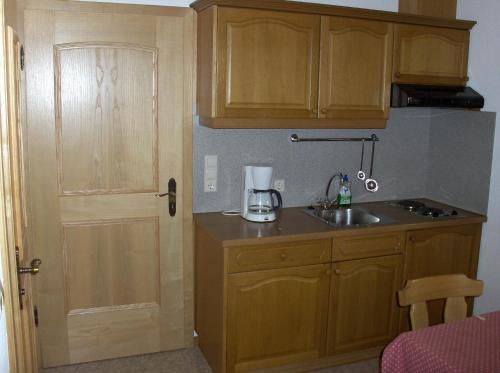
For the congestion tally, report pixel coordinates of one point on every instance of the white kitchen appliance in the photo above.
(257, 197)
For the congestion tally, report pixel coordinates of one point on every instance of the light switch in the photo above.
(210, 173)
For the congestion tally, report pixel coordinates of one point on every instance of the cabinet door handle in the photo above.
(337, 272)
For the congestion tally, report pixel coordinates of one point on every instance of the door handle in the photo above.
(172, 196)
(166, 194)
(33, 269)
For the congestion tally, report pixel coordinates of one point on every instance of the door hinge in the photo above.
(35, 315)
(21, 58)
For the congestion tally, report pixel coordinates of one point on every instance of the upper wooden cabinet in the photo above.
(356, 65)
(285, 64)
(430, 55)
(267, 64)
(257, 64)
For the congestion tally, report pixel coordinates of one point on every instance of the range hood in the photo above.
(408, 95)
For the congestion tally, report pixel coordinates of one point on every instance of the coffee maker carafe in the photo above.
(257, 198)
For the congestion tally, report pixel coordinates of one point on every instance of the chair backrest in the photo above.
(453, 288)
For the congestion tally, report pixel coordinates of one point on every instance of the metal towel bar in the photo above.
(296, 138)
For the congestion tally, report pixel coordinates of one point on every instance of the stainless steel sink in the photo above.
(344, 217)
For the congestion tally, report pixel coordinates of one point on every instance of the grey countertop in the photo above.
(295, 222)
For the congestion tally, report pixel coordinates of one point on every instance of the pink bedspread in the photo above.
(467, 346)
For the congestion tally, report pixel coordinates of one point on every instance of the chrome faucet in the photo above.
(327, 199)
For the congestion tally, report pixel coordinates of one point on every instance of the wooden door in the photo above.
(16, 251)
(363, 308)
(267, 64)
(440, 251)
(276, 317)
(430, 55)
(356, 66)
(108, 113)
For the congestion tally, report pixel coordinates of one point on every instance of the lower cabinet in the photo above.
(363, 305)
(276, 317)
(307, 304)
(441, 251)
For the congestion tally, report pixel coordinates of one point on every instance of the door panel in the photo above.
(108, 110)
(118, 153)
(114, 332)
(121, 260)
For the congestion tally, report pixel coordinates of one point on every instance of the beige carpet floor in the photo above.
(182, 361)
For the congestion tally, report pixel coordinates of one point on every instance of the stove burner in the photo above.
(419, 208)
(411, 205)
(430, 211)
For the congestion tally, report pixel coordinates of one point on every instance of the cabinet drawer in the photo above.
(368, 246)
(288, 254)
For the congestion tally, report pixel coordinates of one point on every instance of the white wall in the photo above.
(391, 5)
(484, 75)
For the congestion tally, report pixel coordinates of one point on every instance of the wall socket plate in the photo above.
(279, 185)
(210, 179)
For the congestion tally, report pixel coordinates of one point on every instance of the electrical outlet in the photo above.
(279, 185)
(210, 181)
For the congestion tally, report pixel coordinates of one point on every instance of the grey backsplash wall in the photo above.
(441, 154)
(460, 158)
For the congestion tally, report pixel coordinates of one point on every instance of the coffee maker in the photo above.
(257, 197)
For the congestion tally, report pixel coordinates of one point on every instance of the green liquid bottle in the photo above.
(344, 198)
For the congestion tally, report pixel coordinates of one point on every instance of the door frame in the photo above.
(22, 348)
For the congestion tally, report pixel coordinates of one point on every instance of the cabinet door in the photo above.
(356, 66)
(267, 64)
(276, 317)
(440, 251)
(364, 311)
(430, 55)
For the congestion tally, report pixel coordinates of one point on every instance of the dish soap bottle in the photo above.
(344, 198)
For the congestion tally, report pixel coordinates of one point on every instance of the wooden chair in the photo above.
(453, 288)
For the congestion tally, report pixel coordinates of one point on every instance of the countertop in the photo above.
(235, 231)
